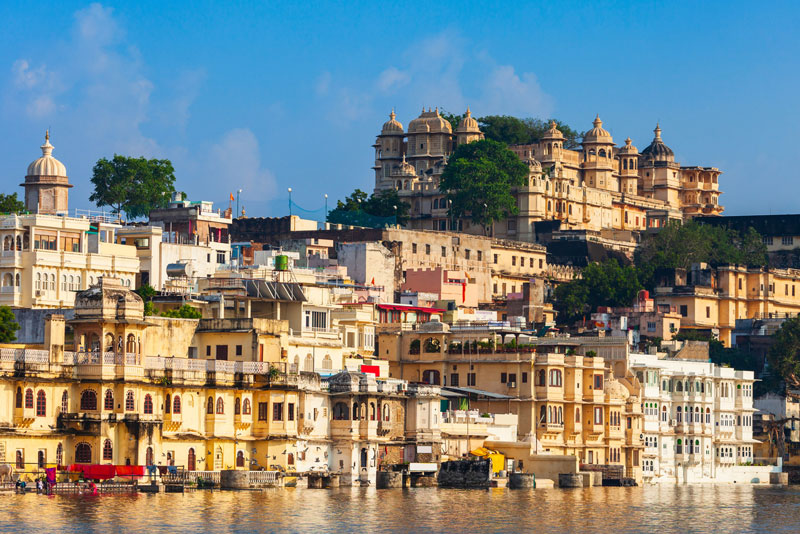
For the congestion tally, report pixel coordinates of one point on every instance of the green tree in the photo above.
(479, 179)
(11, 204)
(184, 312)
(147, 292)
(784, 355)
(8, 325)
(537, 128)
(384, 204)
(452, 118)
(132, 185)
(505, 129)
(601, 284)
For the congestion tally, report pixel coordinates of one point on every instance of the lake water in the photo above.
(661, 509)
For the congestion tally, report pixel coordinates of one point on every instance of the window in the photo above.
(524, 378)
(513, 260)
(246, 407)
(263, 408)
(29, 399)
(220, 406)
(208, 350)
(290, 411)
(41, 404)
(444, 252)
(684, 310)
(167, 403)
(277, 411)
(238, 350)
(454, 379)
(413, 248)
(108, 450)
(767, 239)
(176, 405)
(470, 379)
(503, 378)
(148, 404)
(64, 402)
(555, 377)
(108, 401)
(88, 400)
(466, 254)
(237, 406)
(20, 458)
(130, 401)
(220, 256)
(210, 406)
(787, 240)
(598, 415)
(480, 255)
(428, 250)
(708, 312)
(19, 398)
(598, 382)
(495, 259)
(83, 453)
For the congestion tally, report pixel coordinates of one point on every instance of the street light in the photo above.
(239, 192)
(326, 207)
(290, 201)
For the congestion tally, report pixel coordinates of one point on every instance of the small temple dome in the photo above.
(597, 134)
(420, 124)
(629, 148)
(47, 165)
(657, 150)
(533, 164)
(392, 125)
(404, 169)
(468, 124)
(553, 132)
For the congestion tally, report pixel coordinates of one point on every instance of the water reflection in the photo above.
(681, 509)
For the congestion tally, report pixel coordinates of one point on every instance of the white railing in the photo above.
(208, 476)
(262, 477)
(24, 355)
(86, 358)
(109, 358)
(220, 366)
(254, 368)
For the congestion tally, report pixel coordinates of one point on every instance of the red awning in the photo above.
(374, 369)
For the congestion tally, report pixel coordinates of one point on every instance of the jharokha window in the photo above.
(83, 453)
(176, 405)
(130, 401)
(29, 399)
(41, 404)
(108, 401)
(88, 400)
(148, 404)
(220, 406)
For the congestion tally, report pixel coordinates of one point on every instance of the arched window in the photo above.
(210, 406)
(60, 455)
(542, 414)
(240, 459)
(83, 453)
(577, 415)
(41, 403)
(88, 400)
(372, 415)
(108, 450)
(355, 411)
(29, 399)
(246, 407)
(679, 386)
(290, 458)
(436, 203)
(191, 460)
(308, 365)
(130, 344)
(176, 405)
(167, 404)
(540, 378)
(237, 406)
(679, 414)
(64, 402)
(148, 404)
(18, 403)
(220, 406)
(149, 457)
(130, 401)
(340, 412)
(20, 460)
(386, 413)
(327, 363)
(108, 401)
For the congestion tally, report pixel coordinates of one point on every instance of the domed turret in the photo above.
(392, 126)
(46, 185)
(404, 169)
(657, 150)
(468, 123)
(420, 124)
(629, 148)
(597, 134)
(439, 124)
(553, 132)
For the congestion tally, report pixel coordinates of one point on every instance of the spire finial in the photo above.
(657, 131)
(47, 134)
(469, 113)
(392, 115)
(597, 122)
(47, 148)
(628, 141)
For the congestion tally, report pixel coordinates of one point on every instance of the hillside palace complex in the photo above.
(598, 187)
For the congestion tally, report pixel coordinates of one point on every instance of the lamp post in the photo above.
(395, 217)
(239, 192)
(290, 201)
(326, 207)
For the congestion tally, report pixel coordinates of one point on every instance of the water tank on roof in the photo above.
(179, 270)
(282, 263)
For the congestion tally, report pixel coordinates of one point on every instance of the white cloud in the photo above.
(506, 92)
(392, 79)
(236, 162)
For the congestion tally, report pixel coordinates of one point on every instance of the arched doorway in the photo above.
(149, 456)
(363, 457)
(191, 461)
(240, 459)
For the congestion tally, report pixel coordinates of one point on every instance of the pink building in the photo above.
(457, 286)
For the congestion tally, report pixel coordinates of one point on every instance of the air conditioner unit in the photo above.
(512, 384)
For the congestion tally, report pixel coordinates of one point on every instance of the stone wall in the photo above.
(31, 322)
(465, 473)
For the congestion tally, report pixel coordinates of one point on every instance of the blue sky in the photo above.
(267, 95)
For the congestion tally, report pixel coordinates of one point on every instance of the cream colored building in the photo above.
(599, 187)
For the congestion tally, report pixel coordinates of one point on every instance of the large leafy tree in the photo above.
(601, 284)
(680, 245)
(8, 325)
(11, 204)
(514, 131)
(133, 185)
(784, 355)
(479, 179)
(383, 204)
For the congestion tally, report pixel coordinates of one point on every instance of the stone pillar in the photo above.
(570, 480)
(234, 479)
(522, 480)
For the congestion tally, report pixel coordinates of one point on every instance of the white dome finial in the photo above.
(47, 148)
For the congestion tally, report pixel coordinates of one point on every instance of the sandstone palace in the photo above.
(599, 187)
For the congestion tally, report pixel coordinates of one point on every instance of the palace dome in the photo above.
(47, 165)
(629, 148)
(553, 132)
(420, 124)
(657, 150)
(598, 134)
(404, 169)
(437, 123)
(468, 123)
(392, 125)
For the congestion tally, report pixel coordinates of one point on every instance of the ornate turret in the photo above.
(657, 150)
(46, 185)
(468, 129)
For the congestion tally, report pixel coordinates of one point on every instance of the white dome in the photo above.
(47, 165)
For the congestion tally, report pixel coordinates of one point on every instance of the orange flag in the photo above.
(232, 199)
